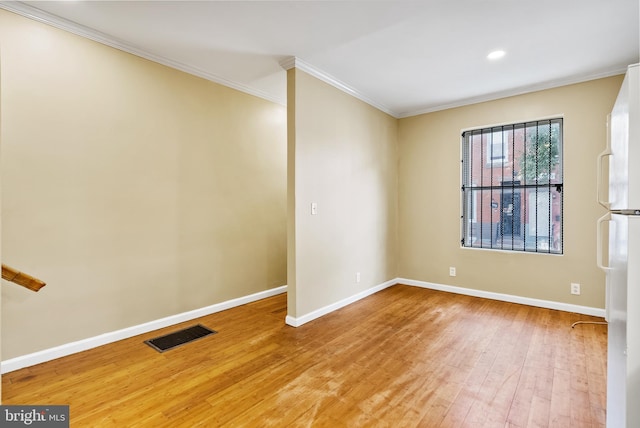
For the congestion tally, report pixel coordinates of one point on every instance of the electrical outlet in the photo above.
(452, 271)
(575, 288)
(357, 276)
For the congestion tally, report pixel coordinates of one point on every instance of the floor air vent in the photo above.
(173, 340)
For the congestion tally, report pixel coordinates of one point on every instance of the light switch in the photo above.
(314, 208)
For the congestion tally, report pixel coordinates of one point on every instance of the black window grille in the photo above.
(512, 189)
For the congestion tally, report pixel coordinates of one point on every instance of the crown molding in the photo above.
(517, 91)
(36, 14)
(289, 62)
(295, 62)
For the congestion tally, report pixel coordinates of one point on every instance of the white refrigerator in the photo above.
(623, 265)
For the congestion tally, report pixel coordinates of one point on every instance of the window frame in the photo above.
(526, 138)
(490, 148)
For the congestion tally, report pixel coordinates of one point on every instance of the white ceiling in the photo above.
(405, 57)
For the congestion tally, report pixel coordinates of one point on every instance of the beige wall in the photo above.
(342, 156)
(134, 190)
(429, 197)
(137, 191)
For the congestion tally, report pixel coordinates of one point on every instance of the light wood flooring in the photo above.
(403, 357)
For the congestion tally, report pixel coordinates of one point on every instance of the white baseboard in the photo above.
(567, 307)
(93, 342)
(103, 339)
(298, 321)
(585, 310)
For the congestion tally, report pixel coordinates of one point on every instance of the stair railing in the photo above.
(27, 281)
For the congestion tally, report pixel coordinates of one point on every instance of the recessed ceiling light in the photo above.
(496, 54)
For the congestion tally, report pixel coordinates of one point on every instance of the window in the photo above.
(497, 148)
(512, 190)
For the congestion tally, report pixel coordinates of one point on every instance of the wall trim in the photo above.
(548, 304)
(125, 333)
(103, 339)
(543, 86)
(64, 24)
(298, 321)
(295, 62)
(47, 18)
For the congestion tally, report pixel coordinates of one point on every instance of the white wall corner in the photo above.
(288, 63)
(292, 321)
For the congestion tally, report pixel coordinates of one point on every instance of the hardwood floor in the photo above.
(403, 357)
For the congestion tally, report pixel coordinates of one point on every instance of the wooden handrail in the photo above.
(27, 281)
